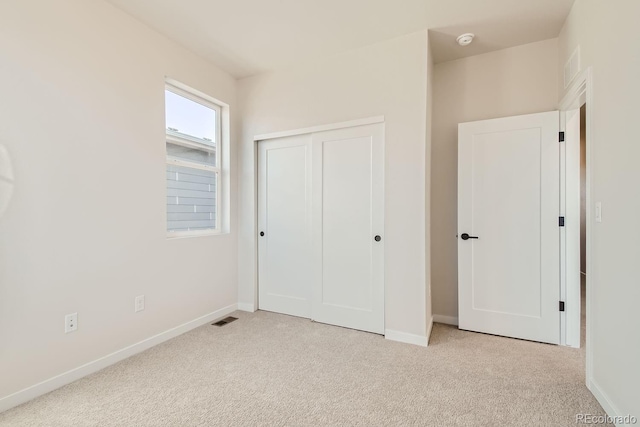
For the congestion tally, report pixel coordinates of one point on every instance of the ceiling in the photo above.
(247, 37)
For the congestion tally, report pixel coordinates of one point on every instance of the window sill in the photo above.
(189, 234)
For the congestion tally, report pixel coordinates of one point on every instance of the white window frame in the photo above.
(201, 144)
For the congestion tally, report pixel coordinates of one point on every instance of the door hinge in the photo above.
(561, 221)
(561, 139)
(561, 305)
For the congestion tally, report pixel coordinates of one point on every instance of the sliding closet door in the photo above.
(348, 239)
(284, 225)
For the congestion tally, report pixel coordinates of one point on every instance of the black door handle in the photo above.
(261, 233)
(465, 236)
(377, 238)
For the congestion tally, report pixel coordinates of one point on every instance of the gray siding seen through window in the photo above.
(191, 198)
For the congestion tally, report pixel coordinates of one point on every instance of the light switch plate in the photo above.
(139, 303)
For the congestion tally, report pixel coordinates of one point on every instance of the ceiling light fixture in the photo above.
(465, 39)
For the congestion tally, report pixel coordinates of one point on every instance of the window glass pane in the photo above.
(189, 118)
(191, 154)
(191, 199)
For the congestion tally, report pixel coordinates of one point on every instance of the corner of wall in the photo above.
(428, 156)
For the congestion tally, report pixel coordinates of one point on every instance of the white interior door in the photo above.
(508, 197)
(348, 209)
(284, 225)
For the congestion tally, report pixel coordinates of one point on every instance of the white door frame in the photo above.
(580, 92)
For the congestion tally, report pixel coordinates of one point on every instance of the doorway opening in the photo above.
(573, 236)
(577, 284)
(583, 224)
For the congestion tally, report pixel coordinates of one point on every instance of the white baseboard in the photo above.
(429, 329)
(604, 401)
(65, 378)
(243, 306)
(406, 338)
(447, 320)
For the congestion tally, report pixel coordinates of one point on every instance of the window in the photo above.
(193, 163)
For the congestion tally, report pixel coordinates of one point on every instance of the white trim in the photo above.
(429, 330)
(581, 91)
(447, 320)
(575, 96)
(321, 128)
(68, 377)
(185, 234)
(578, 93)
(406, 338)
(190, 142)
(243, 306)
(563, 232)
(193, 94)
(603, 400)
(570, 233)
(570, 287)
(171, 160)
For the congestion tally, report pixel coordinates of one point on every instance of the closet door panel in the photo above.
(347, 216)
(284, 221)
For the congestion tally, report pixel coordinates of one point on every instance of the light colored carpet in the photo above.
(274, 370)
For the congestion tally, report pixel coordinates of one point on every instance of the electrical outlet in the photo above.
(70, 322)
(139, 304)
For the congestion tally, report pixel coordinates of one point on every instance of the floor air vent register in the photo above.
(224, 321)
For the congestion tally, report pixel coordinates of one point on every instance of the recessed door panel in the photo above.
(506, 213)
(347, 241)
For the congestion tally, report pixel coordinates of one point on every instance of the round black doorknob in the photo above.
(261, 233)
(377, 238)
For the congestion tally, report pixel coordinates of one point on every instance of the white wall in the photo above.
(607, 35)
(82, 116)
(389, 79)
(509, 82)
